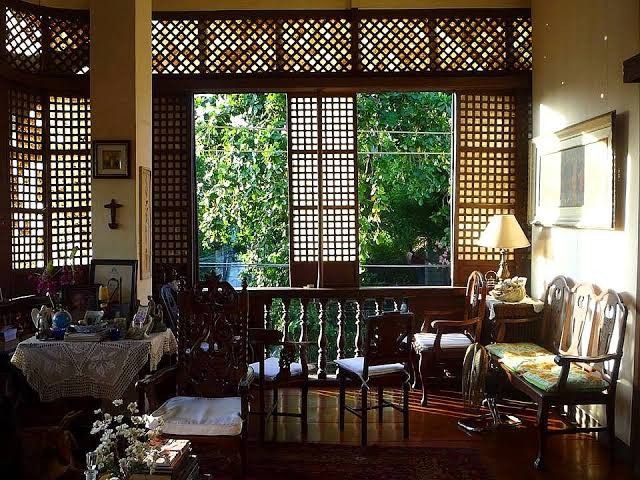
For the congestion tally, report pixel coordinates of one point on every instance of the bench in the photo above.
(577, 358)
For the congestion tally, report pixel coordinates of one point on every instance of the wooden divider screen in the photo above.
(173, 202)
(323, 191)
(490, 175)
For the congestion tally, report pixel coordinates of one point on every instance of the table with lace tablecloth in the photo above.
(523, 318)
(59, 369)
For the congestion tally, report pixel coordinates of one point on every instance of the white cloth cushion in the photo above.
(356, 365)
(425, 341)
(198, 416)
(272, 368)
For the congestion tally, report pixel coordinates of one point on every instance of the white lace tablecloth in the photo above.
(58, 369)
(491, 302)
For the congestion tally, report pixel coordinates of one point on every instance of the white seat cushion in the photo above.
(272, 368)
(356, 365)
(198, 416)
(424, 341)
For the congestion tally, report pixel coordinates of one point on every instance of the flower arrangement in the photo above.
(51, 280)
(125, 443)
(510, 289)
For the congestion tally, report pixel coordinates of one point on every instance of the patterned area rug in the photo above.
(346, 462)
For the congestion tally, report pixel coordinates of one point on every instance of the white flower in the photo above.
(98, 411)
(133, 407)
(117, 402)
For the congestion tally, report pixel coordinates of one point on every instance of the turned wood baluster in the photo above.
(304, 328)
(322, 339)
(341, 341)
(359, 317)
(379, 306)
(267, 312)
(286, 320)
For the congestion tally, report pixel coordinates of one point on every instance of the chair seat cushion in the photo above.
(522, 349)
(423, 342)
(272, 368)
(198, 416)
(356, 365)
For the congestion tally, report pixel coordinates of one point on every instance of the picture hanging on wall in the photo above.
(573, 176)
(145, 223)
(111, 159)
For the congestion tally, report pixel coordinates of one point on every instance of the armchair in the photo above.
(206, 394)
(449, 339)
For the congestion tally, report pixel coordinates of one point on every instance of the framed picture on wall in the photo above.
(145, 223)
(120, 277)
(573, 176)
(111, 159)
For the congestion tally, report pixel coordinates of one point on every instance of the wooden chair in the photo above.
(583, 335)
(449, 339)
(279, 372)
(208, 388)
(386, 363)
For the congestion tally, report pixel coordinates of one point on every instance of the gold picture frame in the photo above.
(573, 176)
(145, 222)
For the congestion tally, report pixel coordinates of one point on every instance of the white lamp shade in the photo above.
(503, 231)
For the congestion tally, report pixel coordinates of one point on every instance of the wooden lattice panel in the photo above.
(315, 45)
(488, 172)
(522, 42)
(23, 40)
(172, 184)
(70, 178)
(26, 180)
(68, 45)
(175, 47)
(240, 46)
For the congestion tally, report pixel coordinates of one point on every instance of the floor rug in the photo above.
(346, 462)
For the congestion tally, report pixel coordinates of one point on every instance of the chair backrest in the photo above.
(556, 303)
(212, 339)
(475, 301)
(576, 331)
(168, 298)
(491, 278)
(388, 339)
(607, 333)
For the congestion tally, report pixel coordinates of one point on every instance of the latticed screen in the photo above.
(489, 171)
(46, 43)
(70, 179)
(172, 183)
(323, 190)
(342, 42)
(50, 179)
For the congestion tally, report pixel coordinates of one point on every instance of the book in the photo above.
(8, 333)
(187, 470)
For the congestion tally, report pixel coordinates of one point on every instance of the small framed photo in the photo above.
(111, 159)
(93, 317)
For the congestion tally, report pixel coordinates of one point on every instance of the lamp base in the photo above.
(503, 269)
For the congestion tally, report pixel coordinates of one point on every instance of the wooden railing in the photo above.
(333, 319)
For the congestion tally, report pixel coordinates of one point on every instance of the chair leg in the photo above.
(262, 414)
(424, 363)
(611, 428)
(415, 373)
(304, 410)
(543, 416)
(380, 402)
(363, 427)
(405, 410)
(341, 406)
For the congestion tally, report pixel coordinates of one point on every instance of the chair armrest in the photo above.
(507, 321)
(440, 325)
(567, 359)
(148, 387)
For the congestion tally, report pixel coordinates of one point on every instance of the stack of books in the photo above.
(86, 333)
(8, 338)
(176, 463)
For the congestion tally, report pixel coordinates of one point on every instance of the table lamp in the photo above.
(503, 232)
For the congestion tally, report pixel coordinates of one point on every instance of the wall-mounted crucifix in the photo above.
(113, 206)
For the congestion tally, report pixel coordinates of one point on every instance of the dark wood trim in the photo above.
(631, 68)
(193, 256)
(340, 83)
(59, 84)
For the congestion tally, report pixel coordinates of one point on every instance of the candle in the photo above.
(103, 295)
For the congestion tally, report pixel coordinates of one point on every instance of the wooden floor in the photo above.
(509, 454)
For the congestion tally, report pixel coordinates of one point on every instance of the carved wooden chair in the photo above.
(386, 363)
(584, 336)
(208, 388)
(449, 339)
(289, 370)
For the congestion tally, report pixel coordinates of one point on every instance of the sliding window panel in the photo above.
(491, 176)
(323, 205)
(173, 183)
